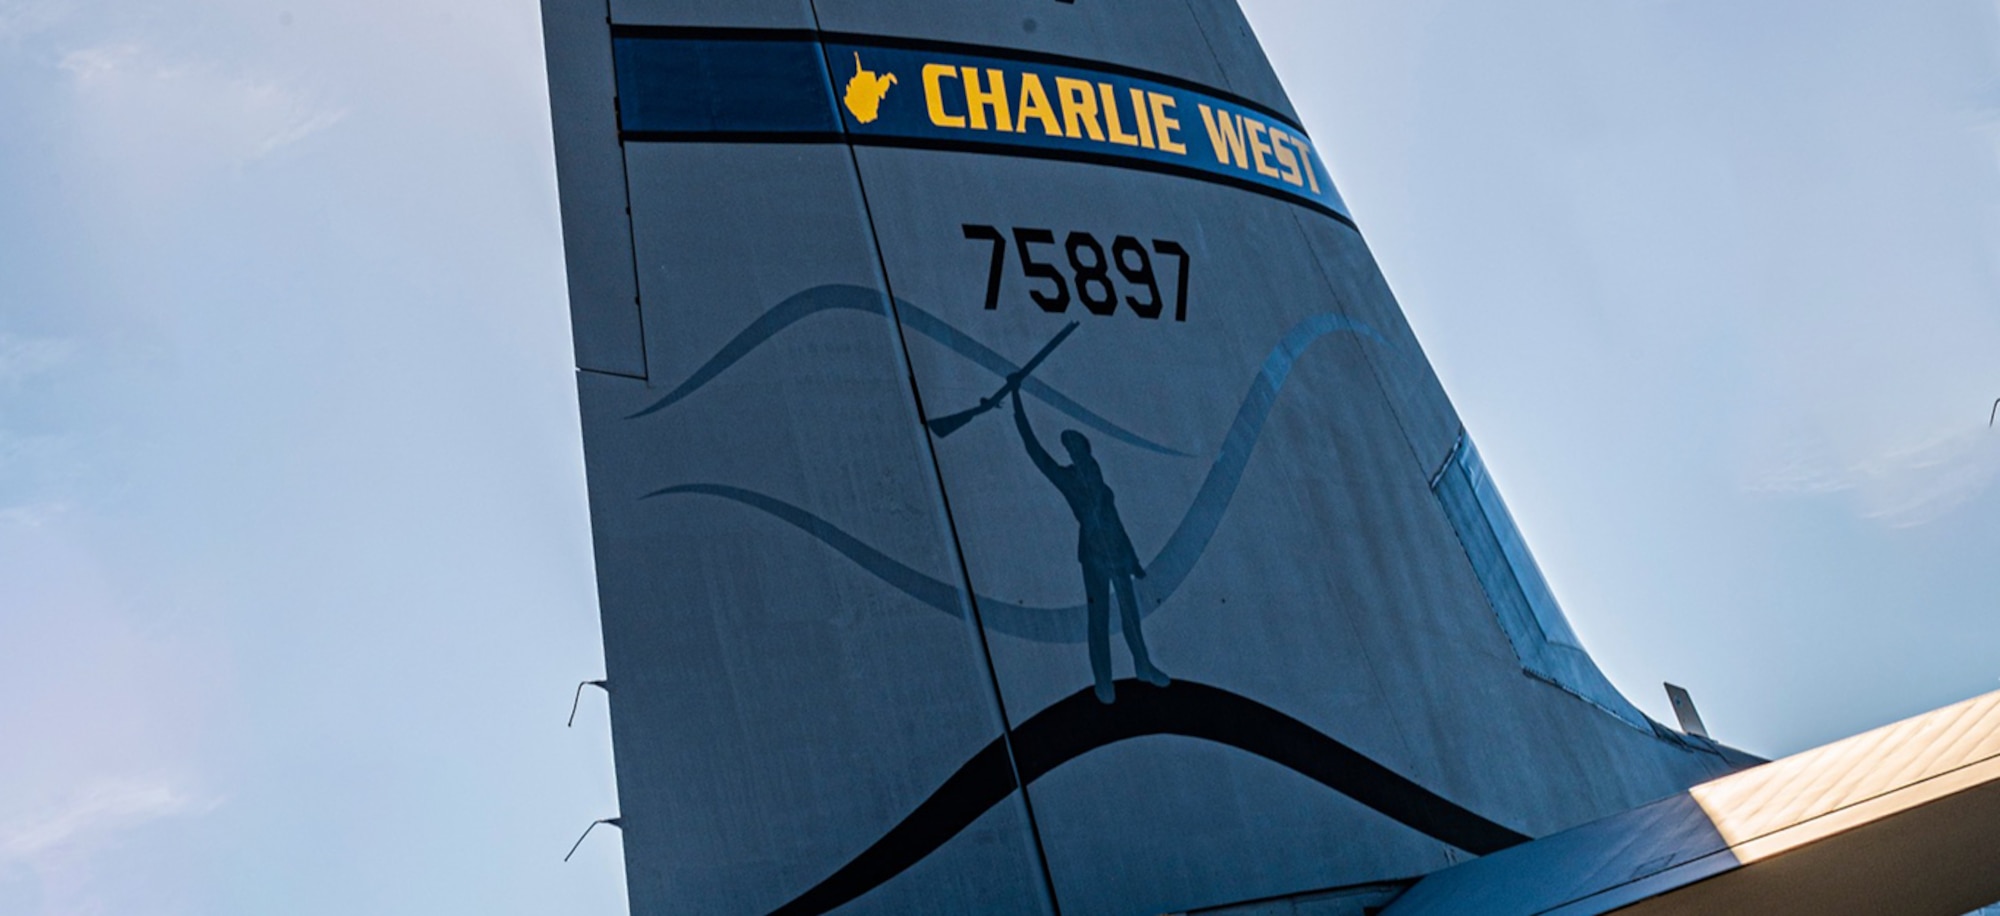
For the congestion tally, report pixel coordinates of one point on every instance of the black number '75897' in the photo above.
(1089, 278)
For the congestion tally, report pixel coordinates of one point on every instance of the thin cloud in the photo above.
(92, 66)
(193, 105)
(1903, 487)
(49, 478)
(312, 124)
(32, 516)
(21, 18)
(93, 815)
(22, 358)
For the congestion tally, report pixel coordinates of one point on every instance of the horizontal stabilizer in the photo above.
(1904, 819)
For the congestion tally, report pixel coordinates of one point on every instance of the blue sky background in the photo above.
(294, 563)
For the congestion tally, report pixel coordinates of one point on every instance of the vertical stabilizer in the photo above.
(1014, 486)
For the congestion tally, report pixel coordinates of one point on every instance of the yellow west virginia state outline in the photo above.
(865, 92)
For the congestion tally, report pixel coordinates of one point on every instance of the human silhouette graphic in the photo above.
(1102, 547)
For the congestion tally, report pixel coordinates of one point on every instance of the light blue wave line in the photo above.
(839, 297)
(941, 595)
(1170, 567)
(777, 318)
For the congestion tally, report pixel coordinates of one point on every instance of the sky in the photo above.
(295, 577)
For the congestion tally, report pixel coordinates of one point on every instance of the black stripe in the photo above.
(996, 149)
(713, 33)
(731, 136)
(1079, 724)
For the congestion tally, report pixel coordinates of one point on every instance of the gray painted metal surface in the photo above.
(1173, 621)
(597, 237)
(740, 14)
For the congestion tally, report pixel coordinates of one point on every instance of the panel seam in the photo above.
(625, 168)
(951, 520)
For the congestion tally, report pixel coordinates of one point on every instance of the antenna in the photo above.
(1995, 412)
(613, 821)
(599, 684)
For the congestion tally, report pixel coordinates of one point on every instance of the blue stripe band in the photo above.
(784, 88)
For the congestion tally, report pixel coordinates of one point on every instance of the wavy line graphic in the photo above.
(841, 297)
(941, 595)
(1169, 568)
(1078, 724)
